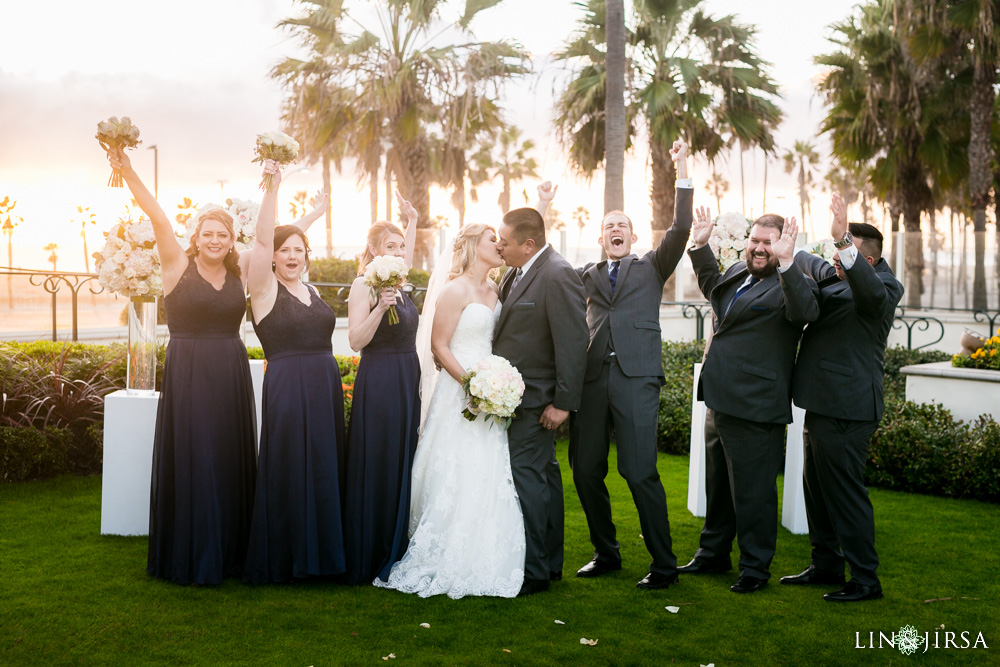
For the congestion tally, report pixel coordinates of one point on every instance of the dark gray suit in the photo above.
(838, 381)
(542, 331)
(746, 384)
(622, 391)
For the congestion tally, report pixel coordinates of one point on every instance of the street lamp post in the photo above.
(156, 170)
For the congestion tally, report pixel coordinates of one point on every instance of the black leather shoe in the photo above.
(855, 592)
(813, 576)
(697, 566)
(655, 580)
(596, 568)
(555, 576)
(532, 586)
(748, 584)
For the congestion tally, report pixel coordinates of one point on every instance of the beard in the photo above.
(764, 271)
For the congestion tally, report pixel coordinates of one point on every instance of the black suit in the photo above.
(542, 331)
(622, 391)
(746, 384)
(838, 381)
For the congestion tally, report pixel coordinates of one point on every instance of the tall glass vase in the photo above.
(141, 378)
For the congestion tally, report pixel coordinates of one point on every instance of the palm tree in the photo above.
(691, 75)
(717, 186)
(581, 216)
(513, 164)
(802, 156)
(847, 183)
(398, 81)
(894, 119)
(86, 218)
(9, 223)
(614, 107)
(52, 247)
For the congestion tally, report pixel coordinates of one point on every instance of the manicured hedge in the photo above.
(918, 448)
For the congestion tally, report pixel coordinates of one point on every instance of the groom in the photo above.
(542, 331)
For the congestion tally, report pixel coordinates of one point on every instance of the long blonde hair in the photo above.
(465, 249)
(232, 259)
(377, 234)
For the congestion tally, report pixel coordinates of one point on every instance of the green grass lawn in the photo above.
(70, 596)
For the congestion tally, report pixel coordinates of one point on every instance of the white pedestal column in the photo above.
(696, 472)
(129, 423)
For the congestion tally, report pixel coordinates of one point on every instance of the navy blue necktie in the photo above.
(741, 291)
(613, 275)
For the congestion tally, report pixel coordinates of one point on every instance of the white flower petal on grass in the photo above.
(558, 622)
(588, 642)
(673, 610)
(425, 625)
(392, 656)
(711, 664)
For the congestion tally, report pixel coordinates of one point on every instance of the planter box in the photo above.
(967, 392)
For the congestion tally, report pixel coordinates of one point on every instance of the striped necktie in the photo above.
(613, 275)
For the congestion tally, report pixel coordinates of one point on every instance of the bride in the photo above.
(466, 530)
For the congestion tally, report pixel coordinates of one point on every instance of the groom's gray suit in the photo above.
(542, 331)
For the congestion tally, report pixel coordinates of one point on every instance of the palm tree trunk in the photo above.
(329, 215)
(415, 186)
(980, 156)
(914, 254)
(663, 190)
(373, 192)
(763, 209)
(743, 191)
(505, 194)
(614, 108)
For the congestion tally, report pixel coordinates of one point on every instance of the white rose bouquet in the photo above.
(494, 388)
(824, 249)
(244, 213)
(386, 271)
(276, 146)
(729, 239)
(113, 133)
(128, 263)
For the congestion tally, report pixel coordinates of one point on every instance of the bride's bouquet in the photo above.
(386, 271)
(128, 263)
(494, 388)
(113, 133)
(276, 146)
(729, 239)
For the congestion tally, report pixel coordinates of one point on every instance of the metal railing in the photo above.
(700, 311)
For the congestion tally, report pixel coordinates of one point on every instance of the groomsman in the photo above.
(621, 389)
(758, 310)
(838, 381)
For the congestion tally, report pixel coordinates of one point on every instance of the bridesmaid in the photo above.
(203, 450)
(296, 529)
(385, 414)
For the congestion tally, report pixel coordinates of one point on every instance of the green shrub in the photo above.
(30, 453)
(896, 357)
(673, 424)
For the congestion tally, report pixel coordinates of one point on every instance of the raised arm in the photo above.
(546, 193)
(410, 233)
(172, 257)
(262, 284)
(703, 260)
(801, 293)
(671, 247)
(322, 204)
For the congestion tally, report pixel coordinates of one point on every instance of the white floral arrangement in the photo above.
(129, 264)
(494, 389)
(729, 239)
(386, 271)
(244, 214)
(824, 249)
(276, 146)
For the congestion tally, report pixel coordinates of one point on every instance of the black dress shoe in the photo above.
(532, 586)
(855, 592)
(748, 584)
(596, 568)
(555, 576)
(812, 576)
(697, 566)
(656, 580)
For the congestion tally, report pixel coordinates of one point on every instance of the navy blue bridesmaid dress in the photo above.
(296, 531)
(382, 439)
(204, 459)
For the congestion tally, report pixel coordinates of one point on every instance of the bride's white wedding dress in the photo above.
(466, 530)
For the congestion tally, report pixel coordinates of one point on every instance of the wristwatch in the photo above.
(844, 242)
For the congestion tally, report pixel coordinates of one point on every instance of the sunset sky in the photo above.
(193, 77)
